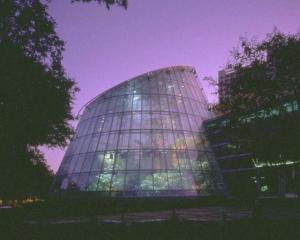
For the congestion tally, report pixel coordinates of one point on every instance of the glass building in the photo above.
(143, 138)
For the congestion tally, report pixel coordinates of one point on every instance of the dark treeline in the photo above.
(264, 97)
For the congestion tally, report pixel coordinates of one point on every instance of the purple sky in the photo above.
(104, 48)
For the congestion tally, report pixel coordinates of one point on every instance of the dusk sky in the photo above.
(104, 48)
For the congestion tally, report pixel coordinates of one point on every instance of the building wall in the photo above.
(225, 77)
(143, 138)
(247, 170)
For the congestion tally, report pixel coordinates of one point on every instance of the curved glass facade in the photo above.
(143, 138)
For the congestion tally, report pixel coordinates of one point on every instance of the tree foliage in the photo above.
(264, 101)
(107, 3)
(35, 93)
(267, 73)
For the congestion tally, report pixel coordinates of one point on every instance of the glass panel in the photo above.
(189, 139)
(185, 123)
(79, 163)
(118, 182)
(172, 160)
(97, 163)
(156, 121)
(135, 141)
(108, 160)
(153, 85)
(180, 140)
(138, 85)
(160, 180)
(145, 85)
(188, 106)
(91, 127)
(157, 140)
(145, 140)
(159, 162)
(102, 107)
(107, 124)
(166, 122)
(133, 160)
(184, 161)
(112, 141)
(121, 160)
(116, 123)
(136, 121)
(146, 181)
(94, 143)
(111, 105)
(82, 181)
(196, 165)
(123, 141)
(146, 160)
(146, 100)
(85, 144)
(180, 104)
(73, 163)
(104, 182)
(102, 142)
(92, 183)
(132, 182)
(146, 121)
(176, 122)
(155, 104)
(126, 122)
(119, 105)
(128, 103)
(137, 103)
(161, 83)
(99, 124)
(87, 162)
(169, 140)
(174, 181)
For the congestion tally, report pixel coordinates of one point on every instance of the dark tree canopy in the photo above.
(107, 3)
(35, 93)
(264, 101)
(267, 73)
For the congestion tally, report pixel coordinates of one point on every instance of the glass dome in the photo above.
(143, 138)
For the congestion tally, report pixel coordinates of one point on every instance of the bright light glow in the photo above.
(272, 164)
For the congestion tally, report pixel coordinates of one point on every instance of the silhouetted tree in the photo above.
(264, 97)
(267, 73)
(35, 92)
(108, 3)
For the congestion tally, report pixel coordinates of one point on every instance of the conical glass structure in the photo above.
(143, 138)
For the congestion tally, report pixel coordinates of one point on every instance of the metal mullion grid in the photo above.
(164, 152)
(179, 168)
(140, 154)
(190, 85)
(129, 134)
(193, 170)
(86, 153)
(117, 152)
(104, 152)
(183, 99)
(175, 111)
(83, 128)
(90, 169)
(188, 121)
(174, 81)
(173, 133)
(181, 83)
